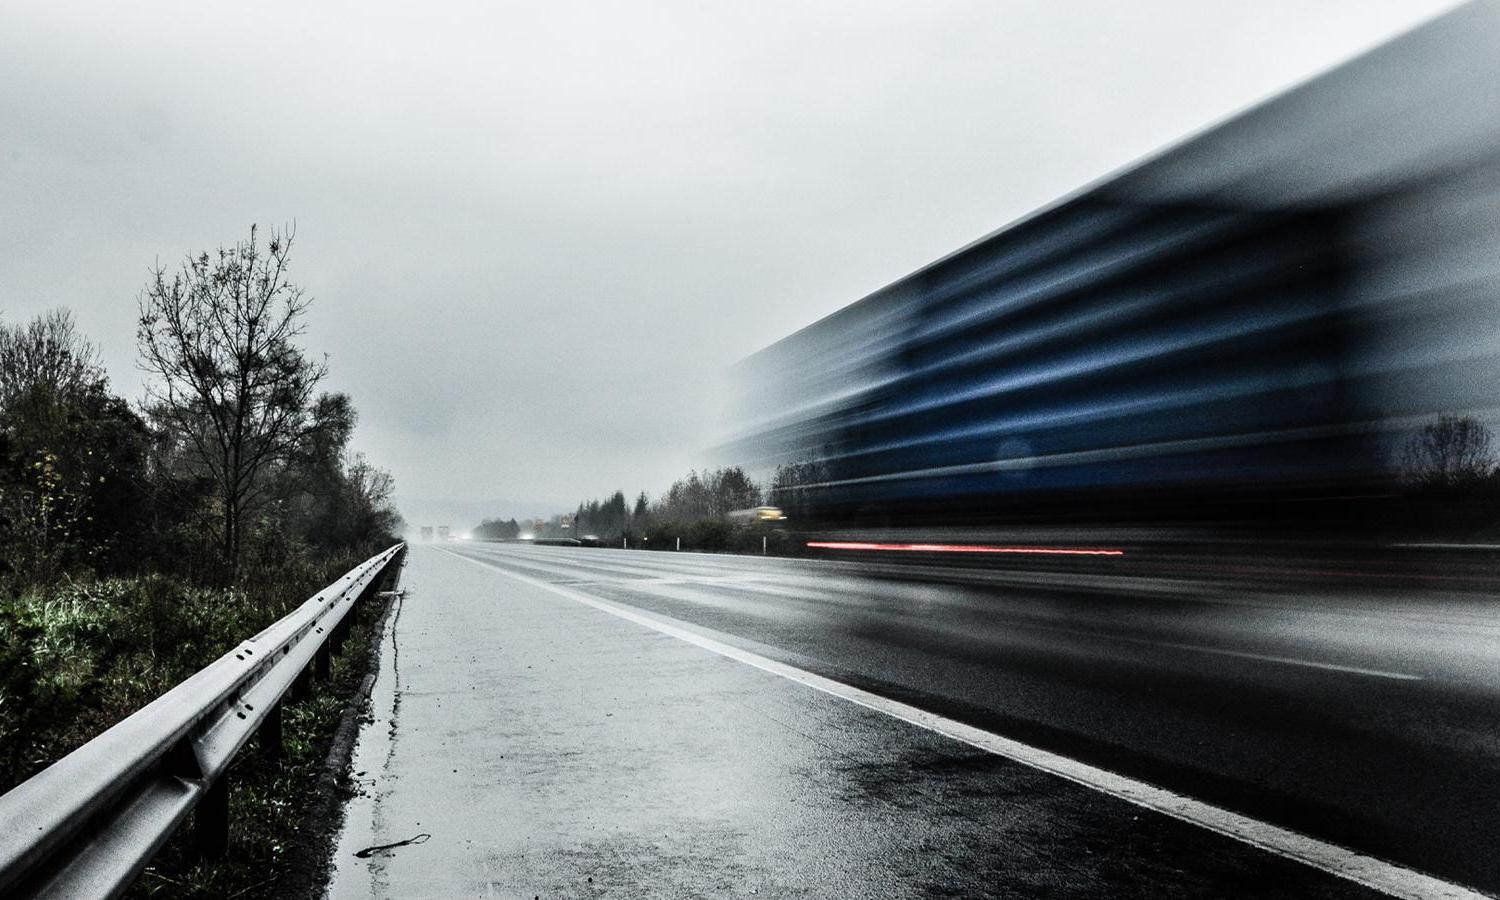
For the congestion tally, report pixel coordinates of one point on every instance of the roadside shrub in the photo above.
(710, 535)
(662, 534)
(747, 539)
(76, 660)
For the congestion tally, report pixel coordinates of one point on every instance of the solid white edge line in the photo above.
(1371, 872)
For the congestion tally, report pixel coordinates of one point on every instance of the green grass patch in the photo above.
(269, 802)
(79, 657)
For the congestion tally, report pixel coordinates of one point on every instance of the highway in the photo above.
(1358, 712)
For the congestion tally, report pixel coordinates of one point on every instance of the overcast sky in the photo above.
(537, 233)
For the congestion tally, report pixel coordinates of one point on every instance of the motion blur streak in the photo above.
(958, 548)
(1246, 329)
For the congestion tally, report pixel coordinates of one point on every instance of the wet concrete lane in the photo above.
(549, 749)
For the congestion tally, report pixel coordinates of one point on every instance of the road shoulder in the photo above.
(547, 749)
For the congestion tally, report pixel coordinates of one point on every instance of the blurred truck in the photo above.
(1250, 325)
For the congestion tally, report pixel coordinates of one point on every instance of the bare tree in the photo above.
(1454, 451)
(46, 355)
(220, 336)
(709, 495)
(371, 491)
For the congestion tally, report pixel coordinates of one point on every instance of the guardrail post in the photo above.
(302, 686)
(211, 820)
(320, 662)
(270, 734)
(371, 591)
(337, 635)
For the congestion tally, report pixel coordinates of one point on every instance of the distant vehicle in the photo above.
(757, 514)
(589, 540)
(444, 533)
(427, 533)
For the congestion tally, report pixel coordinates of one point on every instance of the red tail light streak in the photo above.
(962, 548)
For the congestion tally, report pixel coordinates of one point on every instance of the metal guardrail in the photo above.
(87, 825)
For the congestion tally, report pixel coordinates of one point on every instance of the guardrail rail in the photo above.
(88, 824)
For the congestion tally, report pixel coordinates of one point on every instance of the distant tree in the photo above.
(642, 507)
(313, 478)
(44, 360)
(1453, 452)
(370, 492)
(73, 456)
(615, 514)
(687, 500)
(789, 487)
(731, 489)
(606, 519)
(498, 530)
(709, 495)
(220, 337)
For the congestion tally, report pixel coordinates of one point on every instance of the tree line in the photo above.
(140, 541)
(234, 456)
(692, 510)
(691, 513)
(496, 530)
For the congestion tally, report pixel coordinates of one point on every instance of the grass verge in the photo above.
(281, 821)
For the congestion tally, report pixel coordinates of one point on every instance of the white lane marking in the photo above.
(1223, 651)
(1288, 660)
(1373, 873)
(763, 584)
(775, 589)
(768, 587)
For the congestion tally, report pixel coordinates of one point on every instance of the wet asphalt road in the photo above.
(1365, 715)
(550, 749)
